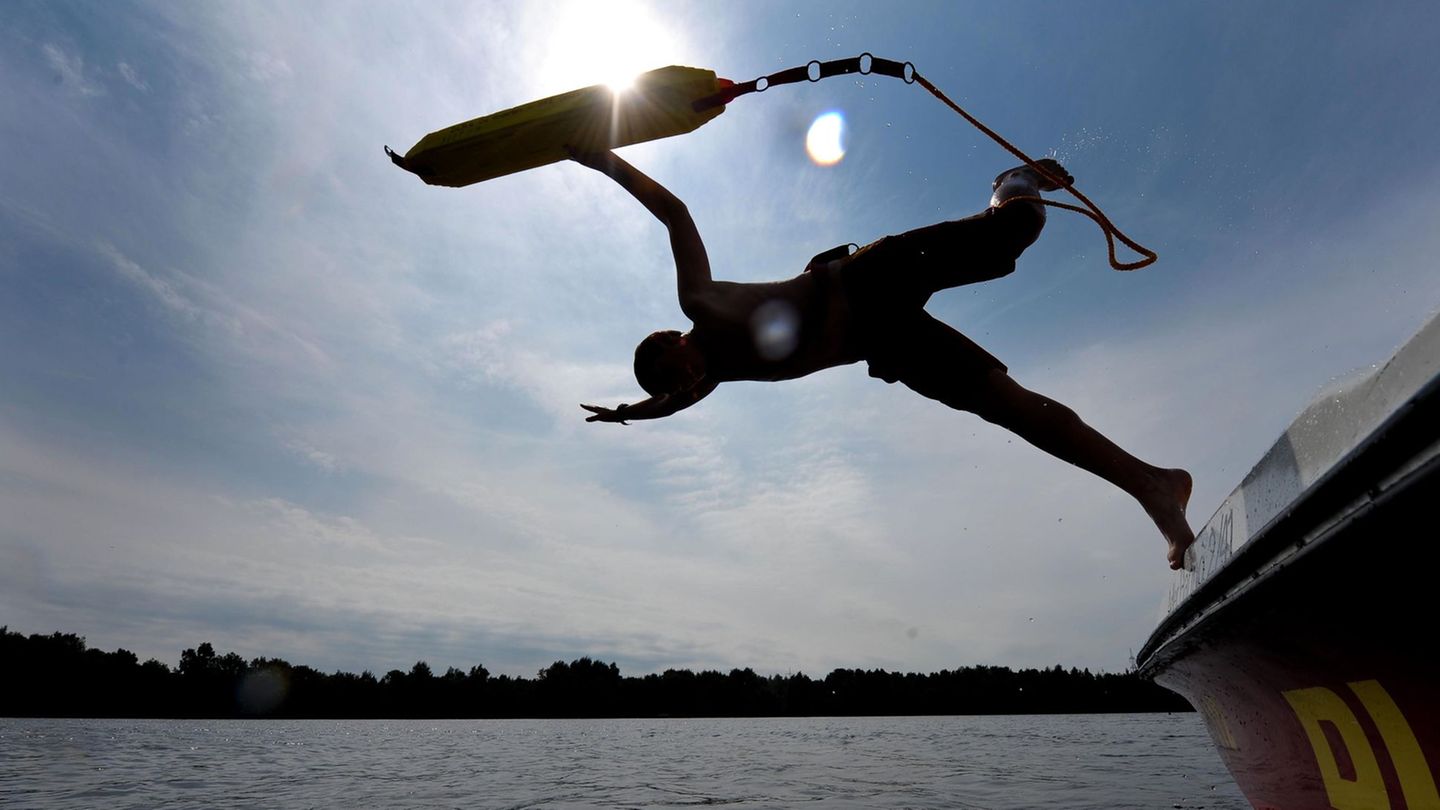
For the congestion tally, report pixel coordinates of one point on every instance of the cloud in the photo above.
(314, 455)
(237, 327)
(495, 354)
(390, 462)
(132, 77)
(157, 288)
(71, 70)
(593, 580)
(265, 67)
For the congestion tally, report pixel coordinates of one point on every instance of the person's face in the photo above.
(682, 363)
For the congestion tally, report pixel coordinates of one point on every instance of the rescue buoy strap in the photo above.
(813, 71)
(866, 64)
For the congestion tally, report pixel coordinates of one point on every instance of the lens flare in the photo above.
(825, 141)
(776, 329)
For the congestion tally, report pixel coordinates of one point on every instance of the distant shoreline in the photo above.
(57, 676)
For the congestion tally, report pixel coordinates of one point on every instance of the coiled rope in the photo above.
(866, 64)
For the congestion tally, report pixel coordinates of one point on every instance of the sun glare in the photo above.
(621, 84)
(610, 44)
(825, 140)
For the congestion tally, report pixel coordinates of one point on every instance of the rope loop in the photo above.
(867, 63)
(1090, 210)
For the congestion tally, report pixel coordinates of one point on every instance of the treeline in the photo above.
(58, 676)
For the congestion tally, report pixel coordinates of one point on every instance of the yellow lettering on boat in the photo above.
(1219, 728)
(1416, 780)
(1367, 790)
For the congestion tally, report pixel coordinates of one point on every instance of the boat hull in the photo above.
(1303, 626)
(1319, 686)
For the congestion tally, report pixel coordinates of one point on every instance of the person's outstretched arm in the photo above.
(692, 265)
(653, 407)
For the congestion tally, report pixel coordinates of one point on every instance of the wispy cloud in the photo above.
(205, 304)
(70, 67)
(157, 288)
(388, 460)
(132, 77)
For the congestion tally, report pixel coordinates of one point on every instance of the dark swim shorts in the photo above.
(888, 282)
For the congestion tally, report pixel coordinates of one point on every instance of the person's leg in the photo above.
(936, 361)
(902, 271)
(1059, 431)
(968, 251)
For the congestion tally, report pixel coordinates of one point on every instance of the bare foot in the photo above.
(1165, 504)
(1055, 170)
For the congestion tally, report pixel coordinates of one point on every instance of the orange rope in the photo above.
(1091, 210)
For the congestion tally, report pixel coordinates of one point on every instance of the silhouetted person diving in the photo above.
(870, 306)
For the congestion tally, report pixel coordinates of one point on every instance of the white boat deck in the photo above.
(1315, 445)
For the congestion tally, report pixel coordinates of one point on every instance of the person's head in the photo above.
(666, 362)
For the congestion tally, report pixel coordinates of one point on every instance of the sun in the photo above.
(604, 43)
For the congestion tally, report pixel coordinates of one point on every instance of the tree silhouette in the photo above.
(57, 675)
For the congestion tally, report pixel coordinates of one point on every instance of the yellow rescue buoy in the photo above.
(661, 103)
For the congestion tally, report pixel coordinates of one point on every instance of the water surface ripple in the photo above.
(1067, 761)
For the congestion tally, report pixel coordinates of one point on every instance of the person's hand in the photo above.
(1053, 167)
(605, 414)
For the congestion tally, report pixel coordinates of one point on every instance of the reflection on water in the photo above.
(1070, 761)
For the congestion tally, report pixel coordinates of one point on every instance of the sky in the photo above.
(261, 388)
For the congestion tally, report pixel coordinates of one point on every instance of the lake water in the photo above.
(1069, 761)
